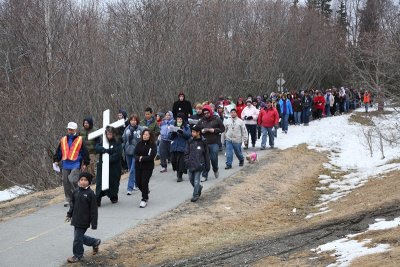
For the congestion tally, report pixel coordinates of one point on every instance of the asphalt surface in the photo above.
(44, 239)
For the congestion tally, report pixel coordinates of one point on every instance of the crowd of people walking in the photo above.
(189, 138)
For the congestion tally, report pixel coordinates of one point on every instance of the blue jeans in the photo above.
(194, 178)
(306, 115)
(270, 132)
(297, 117)
(230, 148)
(328, 110)
(213, 152)
(81, 239)
(130, 160)
(285, 122)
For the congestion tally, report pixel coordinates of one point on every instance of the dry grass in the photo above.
(254, 203)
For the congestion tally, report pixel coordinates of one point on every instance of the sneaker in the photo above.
(203, 179)
(201, 188)
(194, 199)
(114, 200)
(135, 189)
(179, 179)
(163, 170)
(253, 145)
(216, 174)
(143, 204)
(129, 192)
(66, 204)
(241, 163)
(262, 148)
(227, 167)
(96, 247)
(271, 147)
(74, 259)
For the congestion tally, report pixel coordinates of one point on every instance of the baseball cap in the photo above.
(72, 125)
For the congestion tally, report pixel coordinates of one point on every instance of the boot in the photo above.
(179, 176)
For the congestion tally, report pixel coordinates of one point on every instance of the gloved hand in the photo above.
(174, 134)
(67, 219)
(180, 132)
(276, 126)
(245, 117)
(249, 117)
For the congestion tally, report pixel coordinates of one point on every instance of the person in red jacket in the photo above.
(240, 105)
(319, 103)
(267, 119)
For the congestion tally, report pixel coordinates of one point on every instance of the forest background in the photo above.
(62, 60)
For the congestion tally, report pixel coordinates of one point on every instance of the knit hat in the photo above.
(180, 115)
(249, 100)
(87, 175)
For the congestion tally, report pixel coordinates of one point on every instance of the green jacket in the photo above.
(90, 144)
(152, 125)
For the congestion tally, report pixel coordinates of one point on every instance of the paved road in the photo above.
(43, 239)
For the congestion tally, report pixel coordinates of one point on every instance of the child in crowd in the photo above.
(83, 213)
(197, 160)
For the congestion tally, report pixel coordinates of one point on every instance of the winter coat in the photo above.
(196, 155)
(297, 106)
(83, 208)
(152, 125)
(83, 156)
(288, 104)
(212, 122)
(250, 112)
(319, 102)
(130, 138)
(329, 99)
(179, 139)
(184, 107)
(268, 118)
(367, 98)
(90, 144)
(235, 131)
(115, 153)
(148, 152)
(239, 109)
(306, 101)
(164, 127)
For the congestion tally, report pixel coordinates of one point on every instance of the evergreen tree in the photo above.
(325, 7)
(342, 15)
(313, 4)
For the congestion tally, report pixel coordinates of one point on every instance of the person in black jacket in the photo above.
(115, 152)
(197, 160)
(83, 212)
(182, 106)
(145, 152)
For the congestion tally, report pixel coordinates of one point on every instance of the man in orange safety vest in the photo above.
(74, 156)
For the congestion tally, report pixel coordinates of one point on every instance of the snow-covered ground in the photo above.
(13, 192)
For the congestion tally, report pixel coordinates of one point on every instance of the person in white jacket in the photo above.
(250, 116)
(235, 133)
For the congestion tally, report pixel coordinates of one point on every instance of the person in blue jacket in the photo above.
(285, 111)
(178, 145)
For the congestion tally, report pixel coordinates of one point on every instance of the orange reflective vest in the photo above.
(70, 153)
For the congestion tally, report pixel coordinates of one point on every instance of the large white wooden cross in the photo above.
(105, 171)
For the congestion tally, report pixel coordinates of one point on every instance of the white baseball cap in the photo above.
(72, 125)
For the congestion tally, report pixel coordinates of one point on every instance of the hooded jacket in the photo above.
(90, 144)
(213, 122)
(164, 130)
(184, 107)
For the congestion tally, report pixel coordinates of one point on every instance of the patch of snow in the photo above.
(13, 192)
(382, 224)
(345, 250)
(348, 152)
